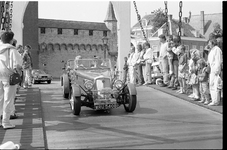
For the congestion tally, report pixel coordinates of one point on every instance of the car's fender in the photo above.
(76, 91)
(132, 89)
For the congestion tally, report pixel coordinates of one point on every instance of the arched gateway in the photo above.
(25, 25)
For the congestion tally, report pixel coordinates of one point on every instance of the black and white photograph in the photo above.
(92, 74)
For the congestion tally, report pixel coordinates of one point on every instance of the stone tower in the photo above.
(111, 23)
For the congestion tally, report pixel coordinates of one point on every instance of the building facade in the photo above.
(60, 40)
(190, 36)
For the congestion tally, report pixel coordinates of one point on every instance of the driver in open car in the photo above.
(77, 61)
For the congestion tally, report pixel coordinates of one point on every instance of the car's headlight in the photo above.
(118, 84)
(88, 85)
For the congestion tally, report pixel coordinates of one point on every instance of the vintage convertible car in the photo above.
(92, 83)
(40, 76)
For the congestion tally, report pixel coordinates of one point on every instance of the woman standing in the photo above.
(214, 61)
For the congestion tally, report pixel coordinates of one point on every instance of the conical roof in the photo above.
(110, 16)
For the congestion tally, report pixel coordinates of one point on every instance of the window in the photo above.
(75, 31)
(194, 46)
(104, 33)
(59, 30)
(90, 32)
(43, 30)
(186, 47)
(201, 48)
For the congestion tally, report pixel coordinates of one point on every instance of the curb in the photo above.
(218, 109)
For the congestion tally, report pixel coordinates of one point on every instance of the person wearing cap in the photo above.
(163, 59)
(9, 60)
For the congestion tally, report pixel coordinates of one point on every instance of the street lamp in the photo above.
(105, 42)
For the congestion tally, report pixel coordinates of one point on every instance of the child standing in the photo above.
(193, 70)
(170, 54)
(203, 76)
(182, 69)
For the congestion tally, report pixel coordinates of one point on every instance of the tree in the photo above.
(159, 19)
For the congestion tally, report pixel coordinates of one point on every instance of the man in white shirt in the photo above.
(164, 59)
(148, 58)
(131, 65)
(10, 60)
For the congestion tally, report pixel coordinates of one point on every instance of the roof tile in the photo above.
(67, 24)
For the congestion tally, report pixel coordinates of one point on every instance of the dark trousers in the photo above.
(140, 74)
(174, 77)
(22, 78)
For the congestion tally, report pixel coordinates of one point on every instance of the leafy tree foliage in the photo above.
(159, 19)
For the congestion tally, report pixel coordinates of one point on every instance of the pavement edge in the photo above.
(184, 97)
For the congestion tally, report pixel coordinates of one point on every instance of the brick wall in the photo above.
(55, 49)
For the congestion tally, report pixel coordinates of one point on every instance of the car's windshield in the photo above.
(38, 72)
(92, 63)
(70, 63)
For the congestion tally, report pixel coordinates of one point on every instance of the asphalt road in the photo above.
(159, 121)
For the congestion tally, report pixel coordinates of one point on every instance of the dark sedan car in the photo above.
(40, 76)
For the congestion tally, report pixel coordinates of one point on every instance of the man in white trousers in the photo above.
(148, 58)
(9, 60)
(131, 65)
(215, 60)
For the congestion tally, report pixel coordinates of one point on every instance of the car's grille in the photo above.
(44, 76)
(103, 88)
(102, 83)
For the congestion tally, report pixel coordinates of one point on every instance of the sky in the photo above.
(95, 11)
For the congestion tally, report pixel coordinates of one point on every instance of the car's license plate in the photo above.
(105, 106)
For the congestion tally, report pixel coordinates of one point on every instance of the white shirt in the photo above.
(148, 55)
(215, 59)
(130, 59)
(140, 57)
(163, 50)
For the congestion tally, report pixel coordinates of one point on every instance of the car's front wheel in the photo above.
(75, 103)
(129, 100)
(49, 82)
(66, 86)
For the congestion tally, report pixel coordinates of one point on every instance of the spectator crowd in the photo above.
(195, 73)
(13, 58)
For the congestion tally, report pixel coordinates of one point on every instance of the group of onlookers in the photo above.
(181, 69)
(13, 58)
